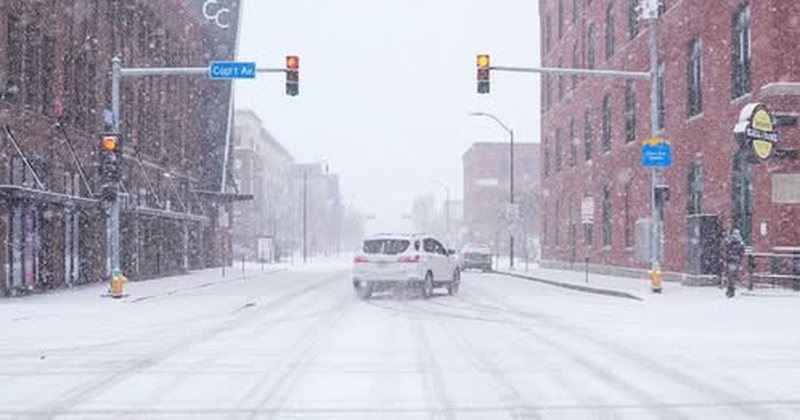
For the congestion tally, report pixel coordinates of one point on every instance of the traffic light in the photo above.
(483, 63)
(110, 164)
(292, 75)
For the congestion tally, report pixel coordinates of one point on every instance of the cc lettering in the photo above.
(213, 12)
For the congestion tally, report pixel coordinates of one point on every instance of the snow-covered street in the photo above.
(298, 343)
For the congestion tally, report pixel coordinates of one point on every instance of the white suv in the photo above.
(395, 261)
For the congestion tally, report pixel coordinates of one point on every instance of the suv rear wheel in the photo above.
(363, 290)
(427, 285)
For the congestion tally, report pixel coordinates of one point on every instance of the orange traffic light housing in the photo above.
(109, 143)
(110, 167)
(484, 67)
(292, 75)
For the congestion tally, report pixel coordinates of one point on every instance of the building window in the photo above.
(32, 55)
(548, 32)
(588, 135)
(576, 9)
(740, 52)
(627, 215)
(660, 98)
(560, 19)
(591, 48)
(630, 111)
(694, 196)
(559, 149)
(607, 123)
(694, 74)
(610, 31)
(548, 92)
(13, 52)
(557, 221)
(575, 64)
(633, 18)
(573, 144)
(546, 165)
(607, 216)
(48, 70)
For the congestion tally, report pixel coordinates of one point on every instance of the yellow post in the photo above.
(117, 282)
(655, 280)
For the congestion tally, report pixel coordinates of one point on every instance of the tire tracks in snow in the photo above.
(513, 402)
(431, 371)
(674, 373)
(160, 393)
(304, 349)
(81, 392)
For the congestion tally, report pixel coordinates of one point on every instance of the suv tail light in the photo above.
(410, 259)
(360, 259)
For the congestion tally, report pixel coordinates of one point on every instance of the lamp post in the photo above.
(510, 177)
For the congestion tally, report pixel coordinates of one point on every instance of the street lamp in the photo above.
(510, 177)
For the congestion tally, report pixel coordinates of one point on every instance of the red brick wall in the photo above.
(705, 138)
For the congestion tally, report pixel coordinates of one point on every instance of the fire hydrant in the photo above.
(655, 281)
(117, 281)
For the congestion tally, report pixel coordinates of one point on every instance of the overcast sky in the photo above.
(386, 86)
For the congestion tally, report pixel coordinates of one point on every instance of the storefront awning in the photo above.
(167, 214)
(20, 192)
(219, 197)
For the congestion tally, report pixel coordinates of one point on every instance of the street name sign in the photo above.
(656, 153)
(232, 70)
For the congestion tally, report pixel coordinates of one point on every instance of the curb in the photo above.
(576, 287)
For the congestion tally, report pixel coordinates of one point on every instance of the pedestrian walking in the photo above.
(734, 254)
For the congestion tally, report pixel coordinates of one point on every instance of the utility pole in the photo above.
(656, 202)
(112, 211)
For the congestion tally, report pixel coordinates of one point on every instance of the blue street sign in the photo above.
(232, 70)
(656, 154)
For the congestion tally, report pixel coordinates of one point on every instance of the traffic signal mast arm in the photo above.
(172, 71)
(578, 72)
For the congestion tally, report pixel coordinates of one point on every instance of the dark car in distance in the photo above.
(476, 257)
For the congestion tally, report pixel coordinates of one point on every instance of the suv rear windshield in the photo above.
(386, 246)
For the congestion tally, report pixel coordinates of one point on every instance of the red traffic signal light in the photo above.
(292, 62)
(292, 75)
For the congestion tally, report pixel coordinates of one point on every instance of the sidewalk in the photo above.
(636, 287)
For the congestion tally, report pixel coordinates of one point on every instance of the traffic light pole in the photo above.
(657, 175)
(113, 207)
(656, 203)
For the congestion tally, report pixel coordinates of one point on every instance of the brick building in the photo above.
(716, 57)
(55, 60)
(262, 167)
(486, 193)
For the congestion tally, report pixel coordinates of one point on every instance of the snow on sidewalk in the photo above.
(639, 287)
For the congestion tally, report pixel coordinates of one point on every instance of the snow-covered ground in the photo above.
(294, 342)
